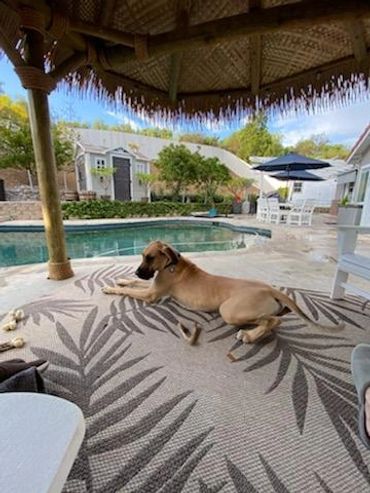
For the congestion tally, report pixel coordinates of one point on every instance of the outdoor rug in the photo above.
(163, 416)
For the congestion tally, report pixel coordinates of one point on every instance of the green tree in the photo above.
(163, 133)
(177, 168)
(255, 140)
(105, 176)
(200, 139)
(211, 175)
(16, 150)
(238, 187)
(318, 146)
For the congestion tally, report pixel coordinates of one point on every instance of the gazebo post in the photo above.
(59, 265)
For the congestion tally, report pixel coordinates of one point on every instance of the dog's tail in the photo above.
(285, 300)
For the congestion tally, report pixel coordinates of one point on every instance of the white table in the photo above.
(40, 436)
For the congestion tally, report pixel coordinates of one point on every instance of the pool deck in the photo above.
(302, 257)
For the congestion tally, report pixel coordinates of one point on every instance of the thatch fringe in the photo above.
(311, 96)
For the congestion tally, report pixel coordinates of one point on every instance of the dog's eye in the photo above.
(148, 258)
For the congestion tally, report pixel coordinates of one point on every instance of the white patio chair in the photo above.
(350, 263)
(276, 215)
(301, 215)
(262, 210)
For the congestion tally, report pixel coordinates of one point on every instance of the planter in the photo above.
(237, 207)
(105, 197)
(334, 207)
(212, 212)
(349, 215)
(87, 195)
(246, 207)
(70, 196)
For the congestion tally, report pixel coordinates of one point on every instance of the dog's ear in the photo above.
(172, 254)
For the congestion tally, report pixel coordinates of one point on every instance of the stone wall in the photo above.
(21, 193)
(20, 210)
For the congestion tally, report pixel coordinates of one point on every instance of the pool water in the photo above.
(19, 248)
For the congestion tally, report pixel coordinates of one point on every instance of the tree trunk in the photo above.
(30, 181)
(65, 184)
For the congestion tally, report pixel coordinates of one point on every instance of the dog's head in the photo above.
(157, 256)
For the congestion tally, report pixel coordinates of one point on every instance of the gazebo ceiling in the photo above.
(191, 56)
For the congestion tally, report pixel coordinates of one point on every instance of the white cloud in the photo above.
(342, 125)
(124, 119)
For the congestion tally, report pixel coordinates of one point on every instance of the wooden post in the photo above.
(59, 264)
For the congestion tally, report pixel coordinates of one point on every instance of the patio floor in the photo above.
(164, 416)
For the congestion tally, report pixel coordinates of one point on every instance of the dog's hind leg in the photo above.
(264, 328)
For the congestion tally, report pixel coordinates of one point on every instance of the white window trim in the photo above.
(365, 167)
(98, 158)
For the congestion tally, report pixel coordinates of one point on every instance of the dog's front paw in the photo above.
(108, 290)
(243, 336)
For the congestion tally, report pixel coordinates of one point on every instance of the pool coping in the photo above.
(93, 224)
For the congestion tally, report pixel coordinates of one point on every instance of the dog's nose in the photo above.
(137, 272)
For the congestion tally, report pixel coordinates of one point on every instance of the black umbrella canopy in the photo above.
(292, 162)
(298, 175)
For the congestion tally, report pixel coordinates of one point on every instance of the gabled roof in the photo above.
(360, 146)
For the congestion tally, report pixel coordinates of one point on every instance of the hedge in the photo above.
(100, 209)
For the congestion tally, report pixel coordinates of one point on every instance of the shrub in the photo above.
(99, 209)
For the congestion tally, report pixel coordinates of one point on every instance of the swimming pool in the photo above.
(20, 245)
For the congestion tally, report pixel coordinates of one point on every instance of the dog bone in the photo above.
(12, 325)
(18, 342)
(231, 357)
(190, 337)
(19, 315)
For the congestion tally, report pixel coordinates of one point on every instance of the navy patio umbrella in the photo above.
(299, 175)
(291, 162)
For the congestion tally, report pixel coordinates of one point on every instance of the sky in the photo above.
(340, 125)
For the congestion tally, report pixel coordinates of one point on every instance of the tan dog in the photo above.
(239, 302)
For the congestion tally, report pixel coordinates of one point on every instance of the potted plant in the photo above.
(237, 186)
(349, 214)
(105, 178)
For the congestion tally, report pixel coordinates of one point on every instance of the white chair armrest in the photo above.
(354, 229)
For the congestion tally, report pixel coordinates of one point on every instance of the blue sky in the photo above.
(341, 125)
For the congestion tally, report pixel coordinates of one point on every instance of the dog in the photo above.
(240, 302)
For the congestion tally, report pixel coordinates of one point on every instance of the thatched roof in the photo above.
(191, 57)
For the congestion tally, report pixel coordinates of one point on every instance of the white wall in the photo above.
(151, 146)
(322, 191)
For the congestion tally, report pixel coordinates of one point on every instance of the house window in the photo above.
(99, 163)
(363, 182)
(297, 187)
(141, 167)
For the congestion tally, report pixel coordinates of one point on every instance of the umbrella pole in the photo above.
(59, 264)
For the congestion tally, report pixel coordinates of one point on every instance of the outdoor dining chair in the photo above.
(301, 215)
(262, 210)
(276, 214)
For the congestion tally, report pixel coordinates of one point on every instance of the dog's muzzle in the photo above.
(144, 273)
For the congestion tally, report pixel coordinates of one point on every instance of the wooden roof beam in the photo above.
(255, 60)
(182, 23)
(108, 34)
(356, 32)
(283, 17)
(255, 53)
